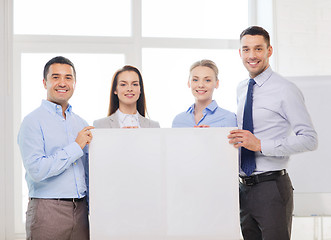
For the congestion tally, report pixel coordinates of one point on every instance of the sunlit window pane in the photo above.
(166, 72)
(73, 17)
(222, 19)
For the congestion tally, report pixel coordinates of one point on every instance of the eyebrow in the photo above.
(203, 77)
(58, 74)
(253, 46)
(127, 81)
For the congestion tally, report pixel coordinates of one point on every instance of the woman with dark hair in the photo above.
(127, 106)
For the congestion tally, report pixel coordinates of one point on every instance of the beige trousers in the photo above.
(48, 219)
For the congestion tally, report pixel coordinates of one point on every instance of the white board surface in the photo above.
(169, 184)
(310, 171)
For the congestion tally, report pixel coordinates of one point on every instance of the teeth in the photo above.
(62, 91)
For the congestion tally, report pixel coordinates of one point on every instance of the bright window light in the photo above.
(194, 18)
(73, 17)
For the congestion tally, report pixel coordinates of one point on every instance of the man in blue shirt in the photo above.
(277, 108)
(53, 143)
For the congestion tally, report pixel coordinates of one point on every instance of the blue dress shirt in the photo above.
(213, 115)
(56, 166)
(278, 110)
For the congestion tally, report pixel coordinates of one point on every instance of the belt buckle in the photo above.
(247, 181)
(251, 182)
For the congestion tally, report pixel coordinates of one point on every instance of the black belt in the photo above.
(63, 199)
(266, 176)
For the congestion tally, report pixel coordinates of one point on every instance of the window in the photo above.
(216, 19)
(162, 38)
(74, 17)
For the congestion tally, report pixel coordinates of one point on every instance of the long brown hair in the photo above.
(114, 102)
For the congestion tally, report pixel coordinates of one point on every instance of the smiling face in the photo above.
(60, 84)
(128, 89)
(255, 54)
(202, 82)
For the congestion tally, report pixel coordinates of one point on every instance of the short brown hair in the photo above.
(60, 60)
(256, 30)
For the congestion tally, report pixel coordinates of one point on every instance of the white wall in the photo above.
(303, 37)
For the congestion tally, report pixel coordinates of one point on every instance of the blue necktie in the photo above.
(248, 164)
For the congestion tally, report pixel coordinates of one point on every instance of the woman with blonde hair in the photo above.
(205, 112)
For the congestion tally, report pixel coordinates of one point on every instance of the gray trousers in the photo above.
(54, 219)
(266, 210)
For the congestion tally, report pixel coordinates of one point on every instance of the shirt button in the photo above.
(75, 163)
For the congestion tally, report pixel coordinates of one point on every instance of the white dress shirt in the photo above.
(280, 120)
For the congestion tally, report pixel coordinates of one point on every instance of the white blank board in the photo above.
(169, 184)
(310, 171)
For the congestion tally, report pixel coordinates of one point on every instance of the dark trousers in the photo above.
(55, 219)
(266, 210)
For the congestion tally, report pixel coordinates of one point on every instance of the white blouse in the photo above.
(128, 120)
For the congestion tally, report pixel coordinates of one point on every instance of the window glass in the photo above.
(166, 73)
(194, 18)
(73, 17)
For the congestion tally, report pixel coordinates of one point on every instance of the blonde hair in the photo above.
(205, 63)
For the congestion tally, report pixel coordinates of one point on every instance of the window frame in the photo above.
(14, 45)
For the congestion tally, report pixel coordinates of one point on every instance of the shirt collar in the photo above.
(263, 77)
(211, 107)
(123, 116)
(55, 108)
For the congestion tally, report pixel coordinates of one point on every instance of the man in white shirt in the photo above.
(266, 194)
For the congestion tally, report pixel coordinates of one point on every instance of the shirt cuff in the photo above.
(74, 151)
(267, 147)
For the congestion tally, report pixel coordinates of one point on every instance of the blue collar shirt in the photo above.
(56, 166)
(213, 115)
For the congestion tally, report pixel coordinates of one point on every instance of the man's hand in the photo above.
(84, 137)
(244, 138)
